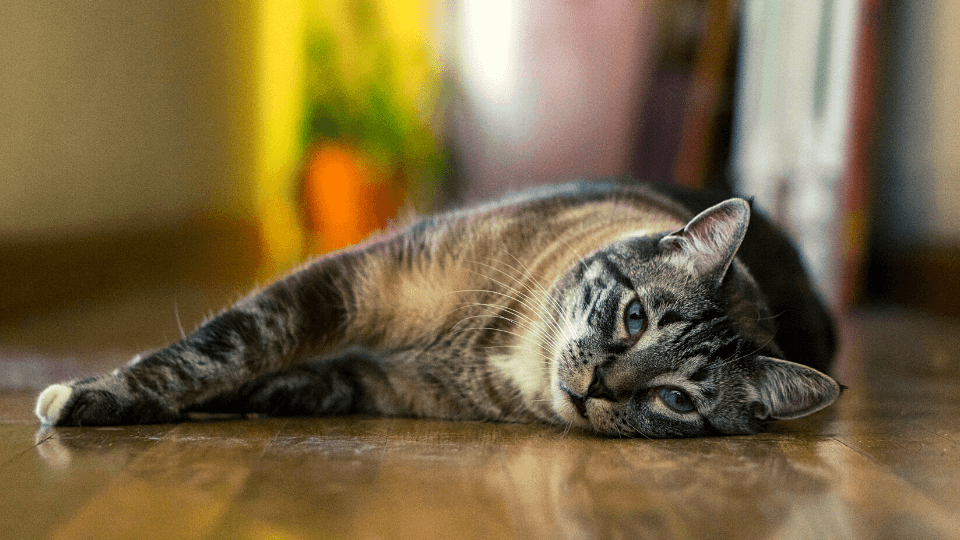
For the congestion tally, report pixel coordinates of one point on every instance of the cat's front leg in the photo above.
(102, 400)
(236, 346)
(282, 325)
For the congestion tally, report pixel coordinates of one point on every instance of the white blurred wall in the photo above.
(793, 117)
(550, 90)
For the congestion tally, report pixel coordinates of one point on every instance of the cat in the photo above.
(599, 306)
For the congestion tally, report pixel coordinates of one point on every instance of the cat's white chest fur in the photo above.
(529, 369)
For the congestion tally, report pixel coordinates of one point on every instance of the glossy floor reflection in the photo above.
(884, 463)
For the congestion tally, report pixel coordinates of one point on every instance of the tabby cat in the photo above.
(591, 305)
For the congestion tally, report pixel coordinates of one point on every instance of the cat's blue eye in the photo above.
(676, 399)
(634, 319)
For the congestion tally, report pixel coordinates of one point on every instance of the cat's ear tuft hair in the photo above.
(788, 390)
(710, 240)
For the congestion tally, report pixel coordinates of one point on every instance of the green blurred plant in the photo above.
(372, 82)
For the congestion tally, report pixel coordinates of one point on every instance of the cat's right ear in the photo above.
(708, 243)
(788, 390)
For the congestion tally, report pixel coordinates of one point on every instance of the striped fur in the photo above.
(512, 311)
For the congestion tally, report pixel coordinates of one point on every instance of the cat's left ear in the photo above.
(711, 239)
(788, 390)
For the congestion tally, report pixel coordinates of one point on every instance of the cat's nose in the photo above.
(598, 388)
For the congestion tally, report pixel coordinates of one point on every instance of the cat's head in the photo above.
(667, 335)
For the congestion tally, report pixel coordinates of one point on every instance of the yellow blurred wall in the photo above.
(279, 84)
(945, 110)
(918, 158)
(120, 116)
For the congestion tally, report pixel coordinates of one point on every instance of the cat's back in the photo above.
(607, 209)
(581, 195)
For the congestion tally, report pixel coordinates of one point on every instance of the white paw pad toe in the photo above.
(51, 401)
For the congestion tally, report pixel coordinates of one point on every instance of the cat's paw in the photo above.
(51, 402)
(73, 405)
(95, 403)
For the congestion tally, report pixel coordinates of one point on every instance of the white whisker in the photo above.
(521, 336)
(176, 315)
(527, 318)
(527, 324)
(540, 305)
(557, 308)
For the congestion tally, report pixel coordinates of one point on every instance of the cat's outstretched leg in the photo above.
(294, 319)
(94, 402)
(354, 383)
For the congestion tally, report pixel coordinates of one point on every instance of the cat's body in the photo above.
(591, 305)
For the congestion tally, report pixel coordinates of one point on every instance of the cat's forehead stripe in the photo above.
(669, 317)
(703, 327)
(700, 374)
(612, 271)
(710, 339)
(659, 298)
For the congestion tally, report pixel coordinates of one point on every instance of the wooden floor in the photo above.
(883, 463)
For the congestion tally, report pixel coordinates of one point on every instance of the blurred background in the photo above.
(194, 149)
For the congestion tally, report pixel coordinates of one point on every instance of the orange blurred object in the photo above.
(346, 196)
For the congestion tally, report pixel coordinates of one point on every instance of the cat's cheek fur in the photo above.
(602, 418)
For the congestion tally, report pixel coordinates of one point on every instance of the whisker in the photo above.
(751, 353)
(546, 358)
(540, 305)
(521, 336)
(521, 324)
(771, 317)
(558, 311)
(494, 306)
(176, 315)
(512, 311)
(547, 338)
(636, 429)
(529, 275)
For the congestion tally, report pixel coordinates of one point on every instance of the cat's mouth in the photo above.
(579, 401)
